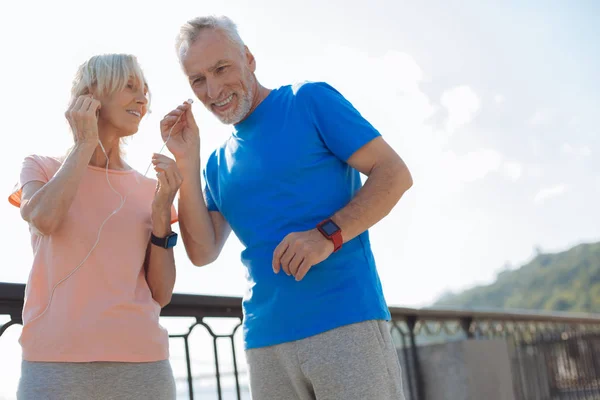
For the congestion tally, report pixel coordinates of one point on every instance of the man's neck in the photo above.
(259, 95)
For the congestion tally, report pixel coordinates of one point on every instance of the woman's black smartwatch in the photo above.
(166, 243)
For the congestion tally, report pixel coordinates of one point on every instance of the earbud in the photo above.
(189, 101)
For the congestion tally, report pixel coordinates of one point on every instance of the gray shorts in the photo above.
(353, 362)
(96, 381)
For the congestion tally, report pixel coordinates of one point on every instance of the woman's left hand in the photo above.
(169, 182)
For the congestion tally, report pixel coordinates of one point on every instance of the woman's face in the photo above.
(124, 109)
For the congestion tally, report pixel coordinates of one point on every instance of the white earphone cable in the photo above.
(114, 212)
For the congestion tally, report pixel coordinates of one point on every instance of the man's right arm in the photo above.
(204, 232)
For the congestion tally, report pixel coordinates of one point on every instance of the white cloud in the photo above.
(549, 192)
(403, 71)
(512, 170)
(472, 166)
(391, 96)
(578, 151)
(536, 146)
(535, 171)
(575, 121)
(462, 104)
(540, 117)
(478, 164)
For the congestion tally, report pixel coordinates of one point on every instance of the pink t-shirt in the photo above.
(105, 310)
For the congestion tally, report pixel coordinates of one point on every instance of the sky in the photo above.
(490, 105)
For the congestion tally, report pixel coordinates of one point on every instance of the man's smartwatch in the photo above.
(166, 242)
(331, 231)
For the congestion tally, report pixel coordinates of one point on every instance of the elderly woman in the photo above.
(103, 263)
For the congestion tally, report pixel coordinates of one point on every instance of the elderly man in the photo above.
(287, 182)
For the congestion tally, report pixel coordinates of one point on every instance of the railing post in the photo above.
(411, 321)
(217, 370)
(465, 324)
(216, 353)
(407, 370)
(189, 366)
(235, 368)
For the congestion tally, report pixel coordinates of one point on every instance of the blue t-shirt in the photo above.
(284, 170)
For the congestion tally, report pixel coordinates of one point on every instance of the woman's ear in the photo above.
(94, 94)
(93, 91)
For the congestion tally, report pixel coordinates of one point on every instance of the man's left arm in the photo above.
(388, 178)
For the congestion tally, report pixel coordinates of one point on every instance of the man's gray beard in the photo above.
(242, 110)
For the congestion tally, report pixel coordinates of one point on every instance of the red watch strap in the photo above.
(337, 240)
(335, 237)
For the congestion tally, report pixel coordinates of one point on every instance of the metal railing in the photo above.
(564, 348)
(539, 338)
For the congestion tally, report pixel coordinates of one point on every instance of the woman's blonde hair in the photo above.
(106, 73)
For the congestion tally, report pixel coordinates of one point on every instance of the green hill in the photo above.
(565, 281)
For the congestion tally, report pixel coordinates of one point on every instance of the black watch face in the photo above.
(329, 228)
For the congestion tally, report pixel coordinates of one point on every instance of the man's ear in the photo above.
(250, 60)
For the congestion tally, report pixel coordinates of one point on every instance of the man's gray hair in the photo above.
(189, 32)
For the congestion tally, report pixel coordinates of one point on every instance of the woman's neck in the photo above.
(113, 151)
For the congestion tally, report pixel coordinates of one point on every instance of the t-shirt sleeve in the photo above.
(211, 205)
(342, 128)
(33, 168)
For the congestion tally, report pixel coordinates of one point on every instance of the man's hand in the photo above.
(299, 251)
(184, 140)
